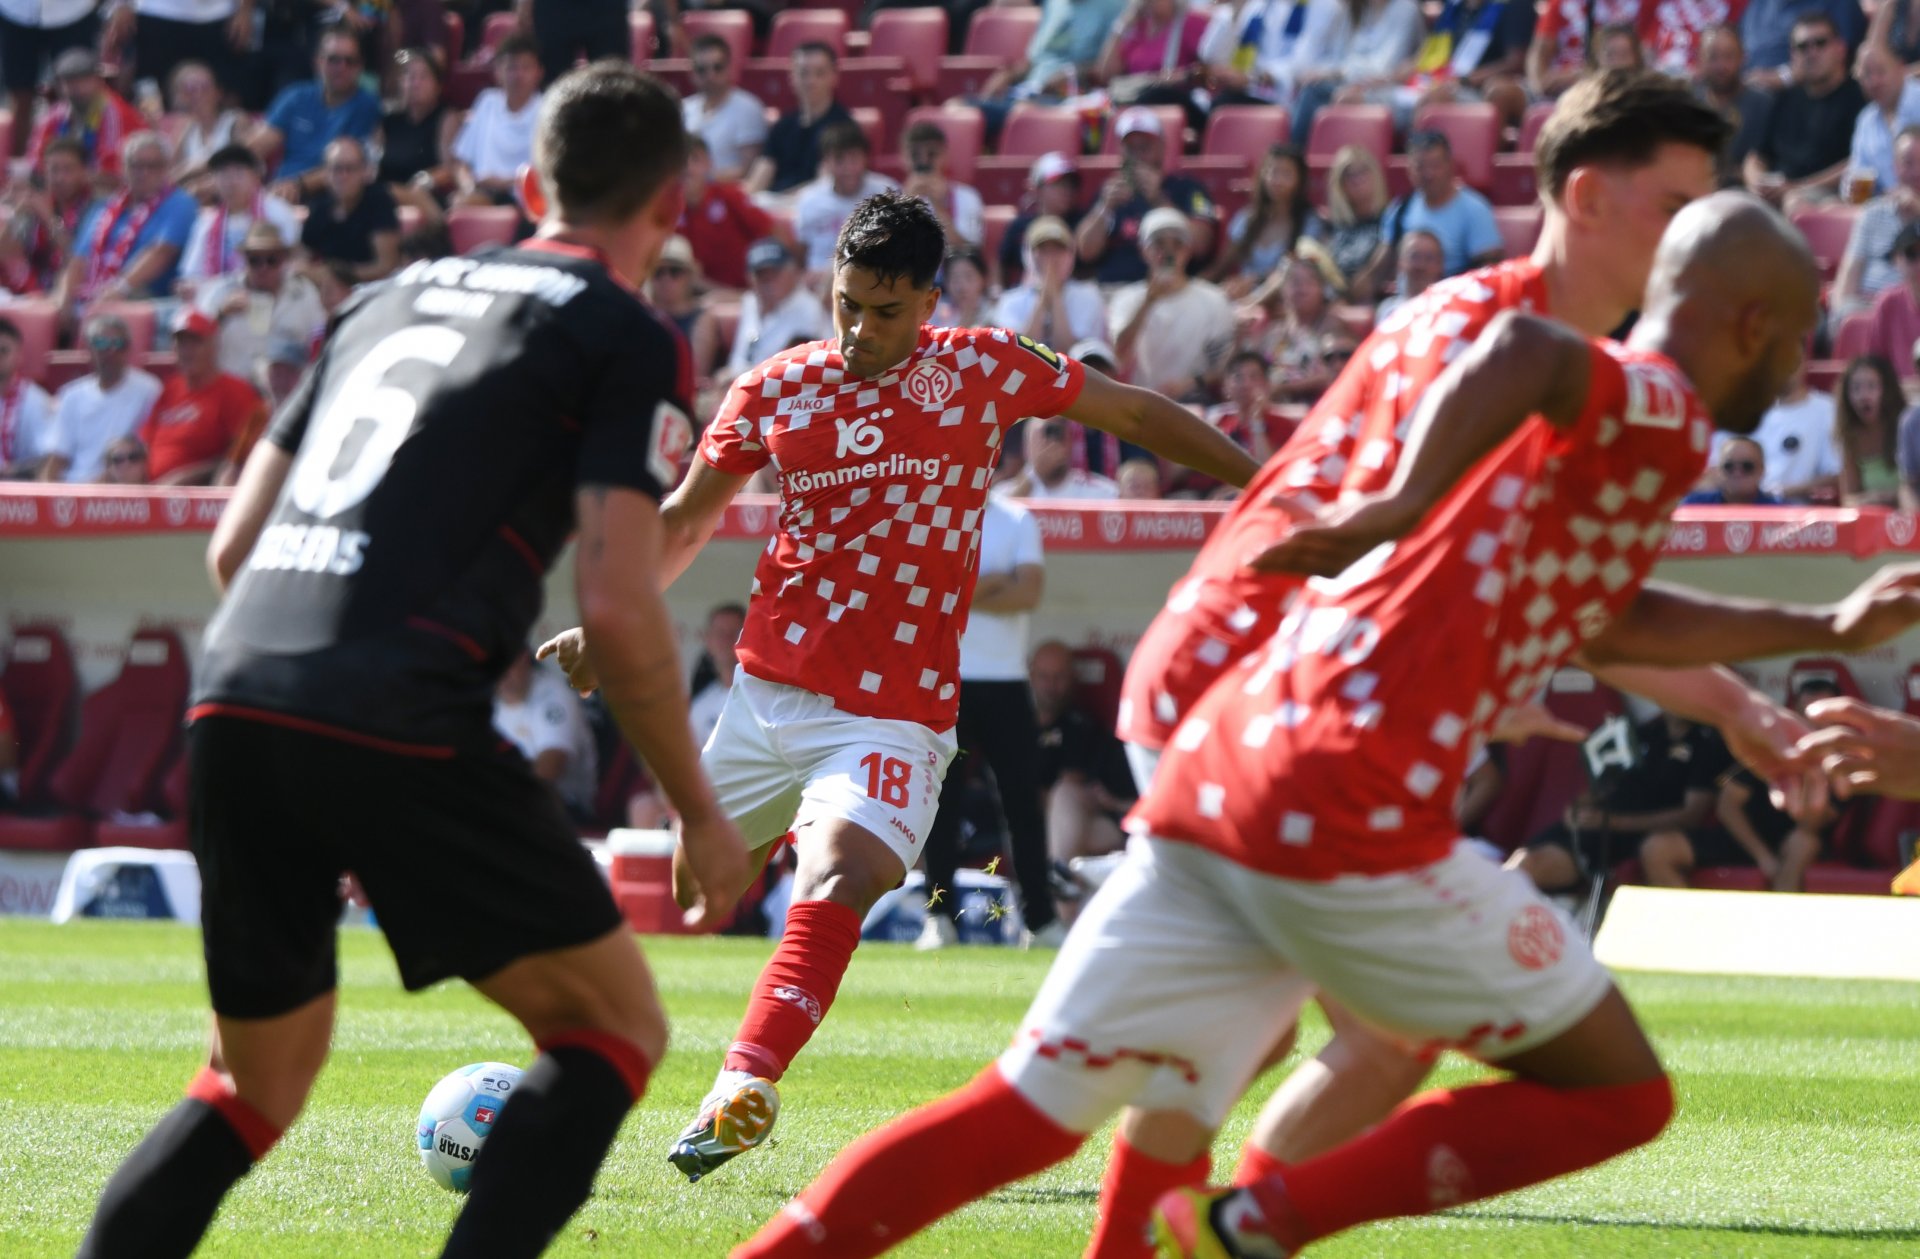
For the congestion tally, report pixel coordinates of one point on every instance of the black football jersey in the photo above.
(437, 445)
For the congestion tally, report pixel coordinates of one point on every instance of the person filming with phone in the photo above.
(1109, 238)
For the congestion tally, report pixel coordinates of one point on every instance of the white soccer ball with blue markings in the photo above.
(457, 1116)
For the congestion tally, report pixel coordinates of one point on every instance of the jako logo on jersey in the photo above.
(803, 404)
(859, 436)
(931, 384)
(805, 1000)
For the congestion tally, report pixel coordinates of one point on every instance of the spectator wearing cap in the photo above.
(86, 110)
(1893, 105)
(26, 412)
(417, 135)
(1063, 54)
(32, 37)
(205, 420)
(353, 220)
(1459, 218)
(1802, 149)
(496, 139)
(963, 291)
(1110, 237)
(719, 220)
(1896, 312)
(206, 126)
(1048, 304)
(730, 120)
(307, 117)
(108, 403)
(1422, 263)
(240, 200)
(958, 206)
(674, 291)
(129, 246)
(264, 303)
(1173, 333)
(1259, 52)
(793, 153)
(47, 219)
(776, 311)
(161, 34)
(1053, 190)
(823, 205)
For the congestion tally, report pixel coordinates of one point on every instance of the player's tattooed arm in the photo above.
(246, 515)
(1161, 425)
(1521, 366)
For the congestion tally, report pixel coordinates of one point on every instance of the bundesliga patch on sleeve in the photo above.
(1045, 353)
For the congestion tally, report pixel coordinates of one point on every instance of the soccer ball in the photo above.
(457, 1116)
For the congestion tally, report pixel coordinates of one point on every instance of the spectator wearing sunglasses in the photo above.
(732, 121)
(306, 117)
(1736, 477)
(126, 463)
(1803, 148)
(108, 403)
(674, 291)
(263, 303)
(1767, 28)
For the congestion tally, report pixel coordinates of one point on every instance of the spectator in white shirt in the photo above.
(1802, 464)
(26, 412)
(539, 713)
(733, 122)
(496, 140)
(845, 181)
(1049, 305)
(1049, 471)
(265, 302)
(1173, 333)
(714, 679)
(93, 412)
(777, 311)
(239, 198)
(207, 126)
(958, 206)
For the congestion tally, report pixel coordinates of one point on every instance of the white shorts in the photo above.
(1144, 762)
(1186, 967)
(782, 757)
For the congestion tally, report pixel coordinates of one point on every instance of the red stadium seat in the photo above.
(472, 226)
(965, 128)
(997, 38)
(456, 36)
(1519, 227)
(997, 219)
(733, 25)
(1825, 669)
(39, 322)
(794, 27)
(1335, 127)
(1473, 129)
(129, 736)
(1856, 332)
(1245, 132)
(169, 832)
(63, 367)
(1826, 229)
(872, 125)
(918, 37)
(1728, 879)
(1173, 127)
(492, 33)
(1878, 842)
(875, 83)
(1097, 673)
(1910, 697)
(40, 687)
(1530, 124)
(1848, 881)
(1035, 129)
(1543, 775)
(640, 47)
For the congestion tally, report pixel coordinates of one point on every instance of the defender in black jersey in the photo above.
(385, 552)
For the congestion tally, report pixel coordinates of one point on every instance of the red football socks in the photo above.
(1451, 1146)
(796, 989)
(894, 1182)
(1256, 1165)
(1132, 1184)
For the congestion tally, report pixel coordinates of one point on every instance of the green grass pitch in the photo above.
(1797, 1135)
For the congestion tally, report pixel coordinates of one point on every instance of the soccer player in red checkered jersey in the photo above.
(840, 726)
(1299, 833)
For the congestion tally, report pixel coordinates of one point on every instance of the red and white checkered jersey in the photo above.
(864, 588)
(1338, 747)
(1219, 611)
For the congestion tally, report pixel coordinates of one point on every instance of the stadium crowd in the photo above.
(1217, 201)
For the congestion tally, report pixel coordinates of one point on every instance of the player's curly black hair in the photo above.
(893, 235)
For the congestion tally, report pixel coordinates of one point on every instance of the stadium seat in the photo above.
(40, 687)
(493, 32)
(1543, 775)
(997, 219)
(1822, 668)
(1910, 691)
(918, 37)
(456, 29)
(1519, 227)
(733, 25)
(996, 38)
(1473, 129)
(872, 124)
(1879, 843)
(876, 83)
(640, 47)
(140, 320)
(1245, 132)
(39, 322)
(1728, 879)
(1530, 124)
(63, 367)
(170, 831)
(1849, 881)
(1030, 131)
(1173, 126)
(465, 83)
(1826, 229)
(1335, 127)
(129, 736)
(1856, 332)
(965, 128)
(472, 226)
(794, 27)
(1097, 673)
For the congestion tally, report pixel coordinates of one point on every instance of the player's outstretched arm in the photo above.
(690, 515)
(630, 642)
(1521, 366)
(246, 515)
(1161, 425)
(1675, 627)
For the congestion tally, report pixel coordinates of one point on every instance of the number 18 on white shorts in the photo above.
(782, 757)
